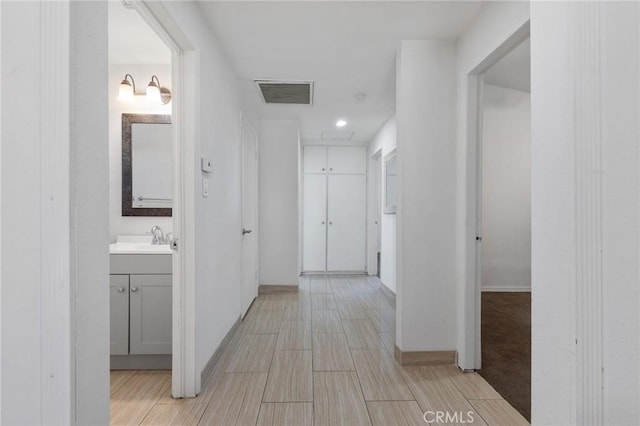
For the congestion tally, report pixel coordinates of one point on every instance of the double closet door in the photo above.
(334, 209)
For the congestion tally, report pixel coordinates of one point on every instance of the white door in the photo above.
(346, 231)
(377, 175)
(314, 219)
(249, 216)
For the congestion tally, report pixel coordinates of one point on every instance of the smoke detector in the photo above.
(286, 92)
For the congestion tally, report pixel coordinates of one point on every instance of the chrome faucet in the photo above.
(158, 236)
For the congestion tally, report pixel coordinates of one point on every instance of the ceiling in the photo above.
(347, 48)
(131, 40)
(514, 70)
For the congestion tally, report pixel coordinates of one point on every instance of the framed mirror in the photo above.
(390, 182)
(147, 165)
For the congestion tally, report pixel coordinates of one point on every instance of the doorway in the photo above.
(376, 173)
(504, 225)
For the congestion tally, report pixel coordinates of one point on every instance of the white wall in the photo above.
(119, 224)
(217, 220)
(485, 38)
(55, 214)
(425, 108)
(585, 103)
(506, 190)
(385, 142)
(278, 188)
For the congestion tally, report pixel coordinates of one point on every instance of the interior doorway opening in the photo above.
(504, 226)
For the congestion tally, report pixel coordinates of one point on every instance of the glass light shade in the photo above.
(153, 92)
(125, 93)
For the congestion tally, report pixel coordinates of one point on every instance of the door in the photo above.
(377, 176)
(119, 312)
(314, 219)
(249, 289)
(150, 314)
(346, 230)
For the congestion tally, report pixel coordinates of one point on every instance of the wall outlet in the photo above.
(206, 165)
(205, 187)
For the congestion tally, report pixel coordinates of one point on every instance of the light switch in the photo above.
(205, 187)
(206, 165)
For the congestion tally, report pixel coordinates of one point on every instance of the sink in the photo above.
(137, 244)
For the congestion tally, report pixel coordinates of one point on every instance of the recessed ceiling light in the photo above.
(341, 123)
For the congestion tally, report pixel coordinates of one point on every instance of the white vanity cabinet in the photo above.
(141, 308)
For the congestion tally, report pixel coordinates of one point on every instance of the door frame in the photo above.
(374, 200)
(185, 75)
(470, 356)
(256, 226)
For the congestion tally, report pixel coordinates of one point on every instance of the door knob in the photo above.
(134, 289)
(120, 289)
(323, 222)
(246, 231)
(330, 223)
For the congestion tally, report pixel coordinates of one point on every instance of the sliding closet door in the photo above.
(314, 228)
(346, 233)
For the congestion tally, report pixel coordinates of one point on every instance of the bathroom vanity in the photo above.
(140, 303)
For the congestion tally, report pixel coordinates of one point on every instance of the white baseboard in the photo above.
(507, 288)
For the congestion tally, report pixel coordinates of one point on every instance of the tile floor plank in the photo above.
(131, 404)
(326, 321)
(253, 354)
(331, 352)
(168, 414)
(286, 414)
(395, 413)
(361, 334)
(290, 378)
(380, 376)
(323, 301)
(338, 399)
(236, 400)
(498, 412)
(294, 335)
(119, 378)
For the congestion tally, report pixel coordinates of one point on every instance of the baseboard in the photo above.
(269, 289)
(507, 288)
(140, 362)
(303, 273)
(425, 357)
(207, 371)
(388, 294)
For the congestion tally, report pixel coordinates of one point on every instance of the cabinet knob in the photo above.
(330, 169)
(330, 223)
(120, 289)
(323, 169)
(134, 289)
(323, 222)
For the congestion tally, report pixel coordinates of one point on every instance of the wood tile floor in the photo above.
(322, 356)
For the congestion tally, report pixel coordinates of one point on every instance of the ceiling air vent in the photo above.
(336, 135)
(286, 92)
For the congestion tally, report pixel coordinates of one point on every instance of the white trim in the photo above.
(185, 76)
(374, 195)
(506, 289)
(53, 112)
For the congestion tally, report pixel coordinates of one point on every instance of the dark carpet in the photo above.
(506, 347)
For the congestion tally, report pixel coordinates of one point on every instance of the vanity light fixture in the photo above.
(341, 123)
(155, 92)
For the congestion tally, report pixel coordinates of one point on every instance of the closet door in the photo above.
(314, 223)
(346, 232)
(314, 159)
(347, 160)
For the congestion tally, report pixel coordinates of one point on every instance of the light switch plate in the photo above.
(205, 187)
(206, 165)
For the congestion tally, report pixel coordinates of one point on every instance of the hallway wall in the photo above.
(385, 140)
(506, 190)
(217, 220)
(278, 187)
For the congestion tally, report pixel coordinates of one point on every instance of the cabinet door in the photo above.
(314, 159)
(346, 233)
(314, 223)
(150, 314)
(347, 159)
(119, 314)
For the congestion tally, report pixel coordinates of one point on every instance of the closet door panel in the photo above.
(346, 232)
(314, 228)
(314, 159)
(347, 159)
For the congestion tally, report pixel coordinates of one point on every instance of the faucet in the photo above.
(158, 236)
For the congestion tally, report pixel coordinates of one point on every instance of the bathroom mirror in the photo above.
(390, 182)
(147, 164)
